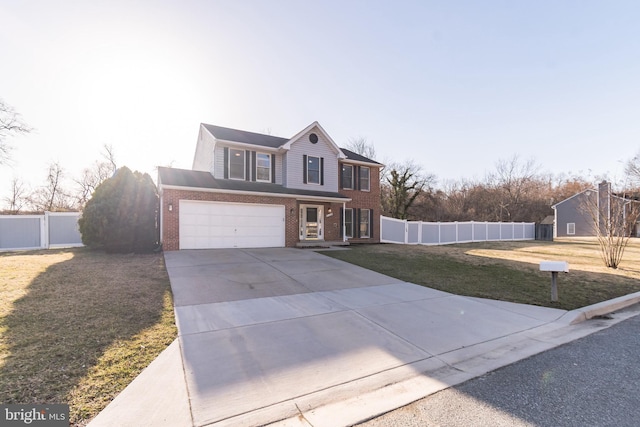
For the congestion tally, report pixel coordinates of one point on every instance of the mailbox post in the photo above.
(554, 267)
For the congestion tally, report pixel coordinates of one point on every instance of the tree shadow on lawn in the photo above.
(84, 329)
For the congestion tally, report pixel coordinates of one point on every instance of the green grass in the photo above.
(507, 271)
(77, 326)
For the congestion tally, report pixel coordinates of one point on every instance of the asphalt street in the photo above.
(594, 381)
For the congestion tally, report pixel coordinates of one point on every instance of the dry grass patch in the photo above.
(77, 326)
(507, 271)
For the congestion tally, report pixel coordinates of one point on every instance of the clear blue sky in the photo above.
(454, 85)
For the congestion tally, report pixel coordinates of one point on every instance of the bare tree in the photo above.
(94, 176)
(515, 181)
(612, 218)
(361, 146)
(18, 197)
(52, 196)
(402, 184)
(11, 124)
(633, 169)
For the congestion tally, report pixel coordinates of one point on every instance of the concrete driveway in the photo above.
(271, 334)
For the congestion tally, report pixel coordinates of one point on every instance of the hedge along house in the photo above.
(248, 190)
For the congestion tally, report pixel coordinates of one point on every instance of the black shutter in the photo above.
(321, 170)
(340, 174)
(356, 223)
(371, 223)
(247, 166)
(341, 226)
(273, 168)
(304, 168)
(226, 162)
(254, 166)
(356, 173)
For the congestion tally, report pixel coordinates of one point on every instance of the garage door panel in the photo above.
(227, 225)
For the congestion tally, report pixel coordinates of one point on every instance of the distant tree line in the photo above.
(514, 191)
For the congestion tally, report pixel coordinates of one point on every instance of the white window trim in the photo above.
(269, 167)
(244, 163)
(352, 177)
(368, 180)
(368, 217)
(571, 226)
(319, 170)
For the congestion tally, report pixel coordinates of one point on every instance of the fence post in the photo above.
(44, 231)
(419, 232)
(439, 237)
(406, 232)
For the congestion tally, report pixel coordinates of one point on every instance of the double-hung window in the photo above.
(236, 164)
(347, 177)
(348, 222)
(263, 167)
(313, 170)
(364, 223)
(364, 178)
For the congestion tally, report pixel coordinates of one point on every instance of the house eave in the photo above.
(255, 193)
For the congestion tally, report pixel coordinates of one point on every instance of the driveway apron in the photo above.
(267, 333)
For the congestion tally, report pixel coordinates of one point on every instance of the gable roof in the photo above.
(236, 135)
(321, 130)
(357, 157)
(253, 138)
(200, 180)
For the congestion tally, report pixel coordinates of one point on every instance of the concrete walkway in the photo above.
(294, 337)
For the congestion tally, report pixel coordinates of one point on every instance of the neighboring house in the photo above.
(572, 216)
(250, 190)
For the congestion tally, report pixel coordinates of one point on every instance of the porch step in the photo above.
(321, 244)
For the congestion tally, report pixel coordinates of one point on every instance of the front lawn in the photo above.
(77, 326)
(507, 271)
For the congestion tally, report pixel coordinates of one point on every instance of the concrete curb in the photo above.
(487, 358)
(599, 309)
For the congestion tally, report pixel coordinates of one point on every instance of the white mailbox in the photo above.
(554, 267)
(559, 266)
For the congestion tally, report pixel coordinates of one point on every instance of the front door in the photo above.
(311, 222)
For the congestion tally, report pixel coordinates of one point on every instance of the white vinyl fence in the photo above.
(51, 230)
(442, 233)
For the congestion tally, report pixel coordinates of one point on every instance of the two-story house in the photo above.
(248, 190)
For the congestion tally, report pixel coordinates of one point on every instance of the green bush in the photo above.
(121, 216)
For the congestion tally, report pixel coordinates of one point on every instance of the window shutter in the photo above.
(321, 170)
(247, 165)
(226, 162)
(304, 168)
(356, 223)
(371, 223)
(341, 226)
(273, 168)
(254, 166)
(340, 175)
(356, 178)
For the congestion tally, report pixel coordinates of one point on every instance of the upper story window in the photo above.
(364, 178)
(236, 164)
(347, 176)
(263, 167)
(313, 170)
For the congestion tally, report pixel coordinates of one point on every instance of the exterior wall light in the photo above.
(170, 207)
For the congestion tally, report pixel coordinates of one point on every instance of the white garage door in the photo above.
(205, 225)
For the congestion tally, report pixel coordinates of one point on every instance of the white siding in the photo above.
(218, 168)
(203, 159)
(322, 148)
